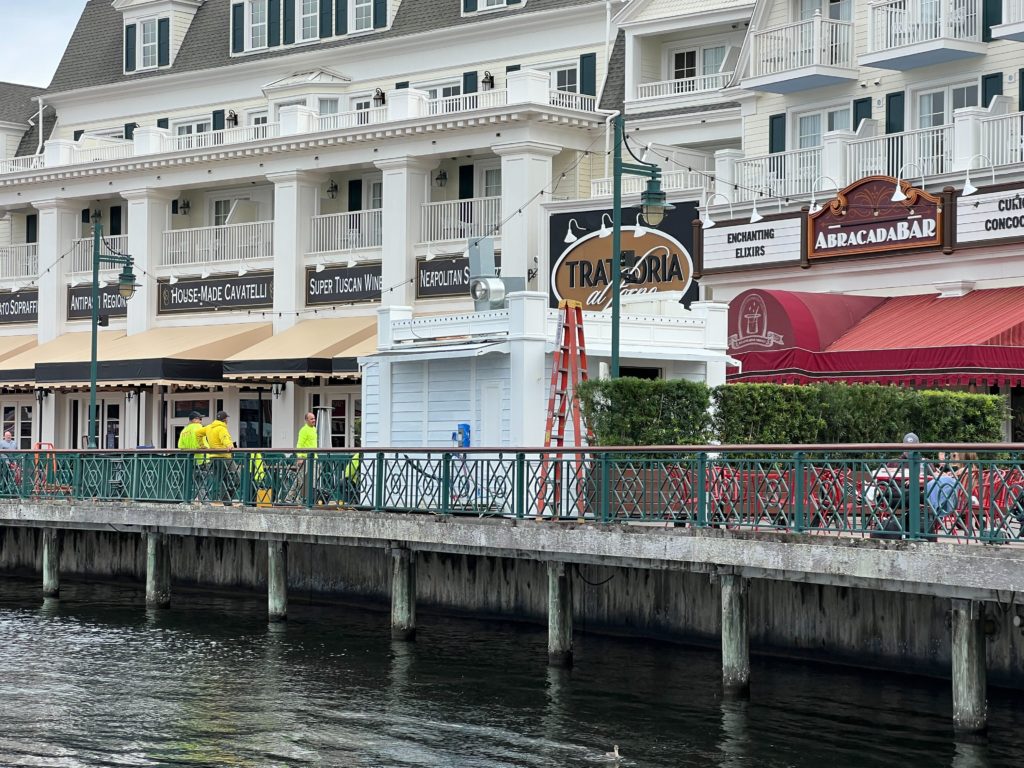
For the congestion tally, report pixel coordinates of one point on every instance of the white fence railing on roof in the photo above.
(817, 41)
(18, 164)
(18, 261)
(333, 232)
(778, 175)
(212, 139)
(581, 102)
(671, 181)
(209, 245)
(354, 119)
(81, 252)
(683, 86)
(1013, 11)
(467, 102)
(460, 219)
(899, 23)
(927, 152)
(114, 150)
(1002, 137)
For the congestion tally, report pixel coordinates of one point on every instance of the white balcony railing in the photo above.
(18, 164)
(81, 252)
(781, 174)
(212, 139)
(112, 150)
(581, 102)
(460, 219)
(333, 232)
(684, 86)
(353, 119)
(18, 261)
(1001, 138)
(467, 102)
(1013, 11)
(899, 23)
(814, 42)
(927, 152)
(671, 181)
(209, 245)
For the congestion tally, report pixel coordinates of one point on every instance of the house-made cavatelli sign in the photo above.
(19, 307)
(343, 285)
(218, 292)
(112, 303)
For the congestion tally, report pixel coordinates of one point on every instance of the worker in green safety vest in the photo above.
(191, 438)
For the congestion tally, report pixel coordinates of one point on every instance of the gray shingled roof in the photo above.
(94, 54)
(613, 95)
(16, 106)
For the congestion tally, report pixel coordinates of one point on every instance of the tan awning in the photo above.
(13, 345)
(309, 348)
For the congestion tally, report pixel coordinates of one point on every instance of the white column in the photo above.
(58, 152)
(59, 225)
(149, 214)
(406, 104)
(725, 172)
(967, 137)
(834, 149)
(406, 181)
(716, 336)
(47, 419)
(297, 119)
(528, 86)
(527, 337)
(283, 408)
(149, 140)
(525, 171)
(296, 197)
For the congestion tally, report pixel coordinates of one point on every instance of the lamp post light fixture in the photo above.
(969, 188)
(898, 195)
(126, 289)
(653, 205)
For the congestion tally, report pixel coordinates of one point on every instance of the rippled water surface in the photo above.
(95, 680)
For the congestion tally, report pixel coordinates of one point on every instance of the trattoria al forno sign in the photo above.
(864, 219)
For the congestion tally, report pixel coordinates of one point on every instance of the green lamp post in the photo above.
(653, 206)
(126, 287)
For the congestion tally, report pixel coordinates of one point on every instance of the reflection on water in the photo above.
(96, 680)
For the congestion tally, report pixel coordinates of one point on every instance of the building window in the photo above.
(374, 191)
(309, 20)
(191, 129)
(258, 123)
(221, 211)
(493, 4)
(328, 106)
(936, 107)
(149, 48)
(690, 64)
(565, 79)
(257, 23)
(838, 10)
(362, 15)
(492, 182)
(811, 126)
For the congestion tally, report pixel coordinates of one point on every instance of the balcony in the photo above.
(687, 86)
(80, 263)
(1001, 139)
(355, 119)
(807, 54)
(1012, 27)
(224, 245)
(467, 102)
(903, 34)
(456, 220)
(338, 232)
(778, 175)
(215, 139)
(571, 100)
(19, 164)
(19, 261)
(926, 152)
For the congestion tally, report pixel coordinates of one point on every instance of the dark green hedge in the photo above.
(639, 412)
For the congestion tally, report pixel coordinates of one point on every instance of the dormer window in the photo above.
(309, 20)
(147, 44)
(257, 23)
(362, 15)
(473, 6)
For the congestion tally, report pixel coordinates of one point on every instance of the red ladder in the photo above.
(568, 369)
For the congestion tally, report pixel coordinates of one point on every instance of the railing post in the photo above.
(520, 485)
(446, 483)
(914, 511)
(800, 509)
(702, 490)
(605, 491)
(308, 481)
(378, 490)
(944, 19)
(816, 40)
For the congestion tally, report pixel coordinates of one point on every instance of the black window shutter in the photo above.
(174, 207)
(237, 28)
(218, 120)
(468, 6)
(289, 21)
(273, 23)
(86, 215)
(78, 135)
(129, 48)
(129, 130)
(861, 111)
(588, 74)
(469, 82)
(341, 17)
(114, 227)
(513, 2)
(32, 228)
(991, 85)
(513, 68)
(326, 18)
(163, 122)
(465, 182)
(894, 112)
(777, 133)
(355, 194)
(163, 42)
(991, 15)
(380, 14)
(403, 84)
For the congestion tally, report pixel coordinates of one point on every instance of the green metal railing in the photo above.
(937, 492)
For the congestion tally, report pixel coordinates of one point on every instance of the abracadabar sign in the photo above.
(112, 303)
(744, 245)
(194, 294)
(343, 285)
(19, 307)
(992, 216)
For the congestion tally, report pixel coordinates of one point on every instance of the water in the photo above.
(96, 680)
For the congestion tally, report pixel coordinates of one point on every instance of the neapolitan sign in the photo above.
(254, 290)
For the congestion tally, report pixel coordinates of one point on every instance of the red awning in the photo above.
(911, 340)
